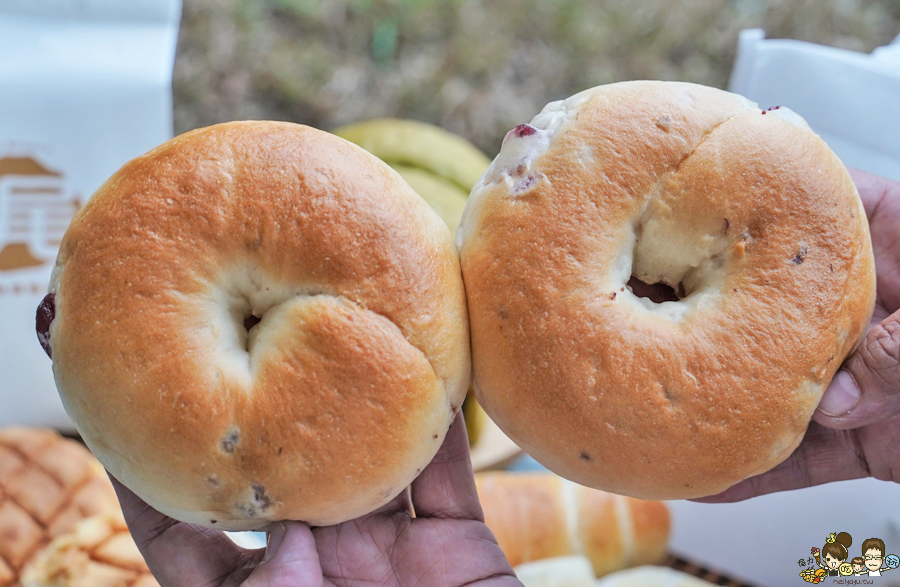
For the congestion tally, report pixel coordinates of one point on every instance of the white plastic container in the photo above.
(851, 99)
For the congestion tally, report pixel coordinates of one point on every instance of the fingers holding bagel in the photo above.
(867, 389)
(824, 456)
(183, 554)
(827, 455)
(446, 488)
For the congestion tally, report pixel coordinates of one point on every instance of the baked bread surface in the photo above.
(260, 321)
(745, 212)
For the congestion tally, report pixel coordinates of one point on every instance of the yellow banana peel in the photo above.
(475, 417)
(417, 144)
(445, 198)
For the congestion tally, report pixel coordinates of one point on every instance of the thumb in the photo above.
(867, 388)
(291, 558)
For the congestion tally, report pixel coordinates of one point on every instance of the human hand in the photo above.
(446, 544)
(856, 428)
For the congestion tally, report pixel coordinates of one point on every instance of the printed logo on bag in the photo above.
(835, 562)
(36, 207)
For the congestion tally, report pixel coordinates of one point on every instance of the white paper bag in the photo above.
(85, 85)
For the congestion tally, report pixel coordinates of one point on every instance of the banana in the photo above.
(416, 144)
(475, 417)
(445, 198)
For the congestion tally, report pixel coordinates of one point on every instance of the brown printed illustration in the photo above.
(36, 207)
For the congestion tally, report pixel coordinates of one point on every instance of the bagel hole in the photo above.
(251, 321)
(656, 292)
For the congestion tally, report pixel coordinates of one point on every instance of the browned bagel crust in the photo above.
(613, 392)
(352, 376)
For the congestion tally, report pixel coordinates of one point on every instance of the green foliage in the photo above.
(384, 40)
(302, 8)
(475, 67)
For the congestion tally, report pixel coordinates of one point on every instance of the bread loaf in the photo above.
(559, 571)
(47, 485)
(97, 552)
(650, 576)
(538, 516)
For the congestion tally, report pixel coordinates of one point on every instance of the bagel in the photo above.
(662, 280)
(259, 321)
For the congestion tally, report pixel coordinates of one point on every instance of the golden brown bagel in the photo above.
(746, 213)
(259, 321)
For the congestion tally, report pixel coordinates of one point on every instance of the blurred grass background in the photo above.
(475, 67)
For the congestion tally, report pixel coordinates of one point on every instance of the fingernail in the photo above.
(274, 539)
(841, 396)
